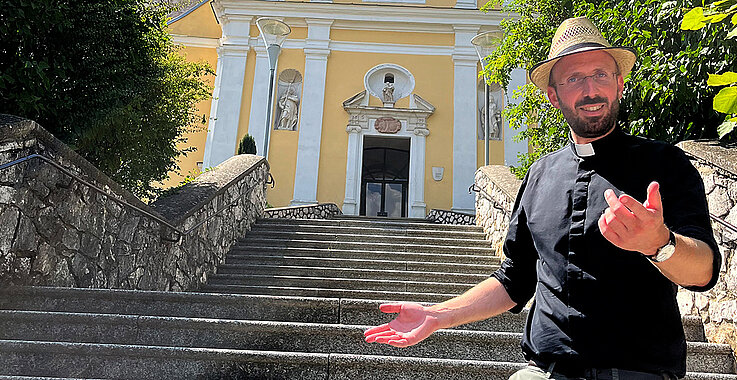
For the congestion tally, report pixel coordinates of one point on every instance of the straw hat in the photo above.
(576, 35)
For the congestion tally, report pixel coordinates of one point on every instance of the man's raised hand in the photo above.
(413, 324)
(635, 226)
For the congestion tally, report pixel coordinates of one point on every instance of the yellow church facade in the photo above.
(377, 105)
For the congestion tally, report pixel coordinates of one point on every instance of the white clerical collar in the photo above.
(584, 150)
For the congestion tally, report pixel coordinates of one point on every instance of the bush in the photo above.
(247, 145)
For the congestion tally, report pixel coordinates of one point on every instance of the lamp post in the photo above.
(485, 43)
(273, 33)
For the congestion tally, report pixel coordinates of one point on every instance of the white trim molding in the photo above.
(191, 41)
(414, 127)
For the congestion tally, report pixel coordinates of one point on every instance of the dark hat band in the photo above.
(579, 46)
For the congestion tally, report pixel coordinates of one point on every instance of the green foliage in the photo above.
(726, 100)
(105, 78)
(190, 177)
(666, 97)
(247, 145)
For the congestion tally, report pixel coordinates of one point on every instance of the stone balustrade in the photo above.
(57, 231)
(315, 211)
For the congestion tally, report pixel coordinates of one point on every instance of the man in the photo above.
(603, 265)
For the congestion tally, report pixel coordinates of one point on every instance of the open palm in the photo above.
(413, 324)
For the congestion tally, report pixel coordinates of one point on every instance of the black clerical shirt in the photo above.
(596, 305)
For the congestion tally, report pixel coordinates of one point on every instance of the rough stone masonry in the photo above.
(55, 230)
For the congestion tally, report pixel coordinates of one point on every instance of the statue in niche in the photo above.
(289, 106)
(495, 119)
(388, 92)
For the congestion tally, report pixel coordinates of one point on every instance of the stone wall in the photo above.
(316, 211)
(496, 189)
(57, 231)
(450, 217)
(717, 307)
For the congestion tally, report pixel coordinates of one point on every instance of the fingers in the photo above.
(653, 197)
(608, 232)
(390, 307)
(617, 208)
(377, 330)
(381, 337)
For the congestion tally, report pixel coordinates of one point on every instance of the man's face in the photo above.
(587, 87)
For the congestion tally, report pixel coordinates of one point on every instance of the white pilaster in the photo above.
(313, 101)
(417, 206)
(351, 204)
(222, 130)
(512, 148)
(465, 75)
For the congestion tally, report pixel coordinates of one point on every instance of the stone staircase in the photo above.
(290, 302)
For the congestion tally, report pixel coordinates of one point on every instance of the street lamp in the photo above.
(273, 33)
(485, 44)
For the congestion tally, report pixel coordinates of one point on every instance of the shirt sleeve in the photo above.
(517, 273)
(686, 211)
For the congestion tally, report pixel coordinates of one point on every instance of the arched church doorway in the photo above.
(385, 176)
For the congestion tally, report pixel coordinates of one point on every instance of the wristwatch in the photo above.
(665, 252)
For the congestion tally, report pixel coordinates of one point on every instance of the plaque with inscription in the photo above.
(387, 125)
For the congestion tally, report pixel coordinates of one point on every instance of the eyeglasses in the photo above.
(601, 78)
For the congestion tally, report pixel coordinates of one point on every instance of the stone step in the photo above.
(387, 238)
(395, 231)
(339, 283)
(281, 336)
(372, 223)
(364, 246)
(461, 258)
(239, 306)
(295, 291)
(333, 262)
(350, 273)
(150, 362)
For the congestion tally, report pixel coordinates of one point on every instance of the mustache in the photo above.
(588, 100)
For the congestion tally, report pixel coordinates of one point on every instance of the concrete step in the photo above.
(460, 258)
(395, 231)
(388, 238)
(339, 283)
(333, 262)
(373, 223)
(237, 306)
(282, 336)
(365, 246)
(295, 291)
(149, 362)
(330, 272)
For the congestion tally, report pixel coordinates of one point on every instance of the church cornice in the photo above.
(413, 18)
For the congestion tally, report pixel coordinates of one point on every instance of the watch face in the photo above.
(665, 253)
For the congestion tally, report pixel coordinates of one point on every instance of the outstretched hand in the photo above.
(413, 324)
(635, 226)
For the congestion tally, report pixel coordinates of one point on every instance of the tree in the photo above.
(666, 97)
(247, 145)
(726, 100)
(104, 77)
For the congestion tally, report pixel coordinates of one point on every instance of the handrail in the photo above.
(179, 233)
(723, 222)
(475, 188)
(99, 190)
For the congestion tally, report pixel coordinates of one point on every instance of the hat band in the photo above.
(579, 46)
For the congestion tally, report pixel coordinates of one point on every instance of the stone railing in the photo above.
(58, 231)
(450, 217)
(496, 189)
(316, 211)
(717, 307)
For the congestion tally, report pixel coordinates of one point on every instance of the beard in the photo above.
(590, 127)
